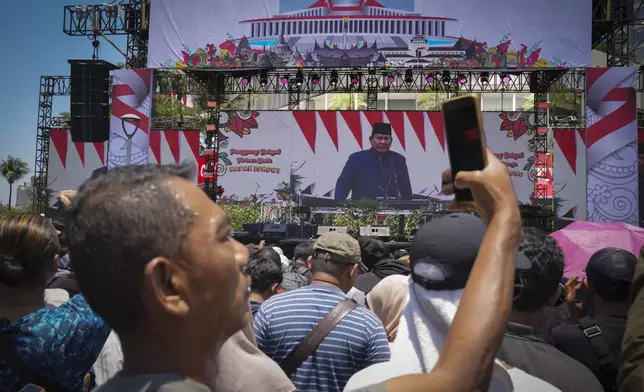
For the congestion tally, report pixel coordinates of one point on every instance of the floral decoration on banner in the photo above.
(237, 53)
(515, 124)
(241, 123)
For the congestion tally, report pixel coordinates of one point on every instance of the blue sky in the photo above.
(292, 5)
(33, 44)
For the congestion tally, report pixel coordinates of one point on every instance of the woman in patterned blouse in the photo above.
(55, 346)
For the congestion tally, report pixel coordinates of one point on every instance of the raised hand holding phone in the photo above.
(465, 139)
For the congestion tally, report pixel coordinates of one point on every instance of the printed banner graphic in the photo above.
(71, 163)
(612, 157)
(569, 172)
(274, 154)
(130, 121)
(360, 33)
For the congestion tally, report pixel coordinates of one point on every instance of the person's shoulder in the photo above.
(359, 154)
(566, 333)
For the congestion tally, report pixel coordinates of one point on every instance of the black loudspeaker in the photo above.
(90, 100)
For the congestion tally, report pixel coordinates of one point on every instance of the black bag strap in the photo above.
(596, 338)
(11, 357)
(310, 343)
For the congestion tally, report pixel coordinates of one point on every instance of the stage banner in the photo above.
(361, 33)
(130, 121)
(71, 163)
(270, 155)
(569, 156)
(612, 156)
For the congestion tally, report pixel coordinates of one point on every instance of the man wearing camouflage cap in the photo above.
(357, 341)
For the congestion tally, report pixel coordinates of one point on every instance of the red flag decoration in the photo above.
(418, 125)
(306, 121)
(436, 119)
(566, 139)
(397, 121)
(155, 145)
(80, 148)
(100, 150)
(373, 117)
(172, 137)
(330, 121)
(353, 122)
(192, 138)
(59, 138)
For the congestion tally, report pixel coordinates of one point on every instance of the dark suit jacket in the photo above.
(369, 175)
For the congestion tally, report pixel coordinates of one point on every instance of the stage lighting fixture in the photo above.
(245, 80)
(111, 10)
(485, 77)
(263, 78)
(81, 12)
(334, 77)
(299, 78)
(505, 78)
(391, 77)
(446, 77)
(409, 76)
(315, 79)
(284, 79)
(430, 78)
(462, 79)
(355, 79)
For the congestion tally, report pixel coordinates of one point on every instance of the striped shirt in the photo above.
(357, 342)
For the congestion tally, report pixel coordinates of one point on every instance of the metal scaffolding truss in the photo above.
(50, 87)
(373, 81)
(131, 19)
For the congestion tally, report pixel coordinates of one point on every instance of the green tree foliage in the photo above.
(241, 214)
(559, 102)
(13, 169)
(431, 102)
(348, 101)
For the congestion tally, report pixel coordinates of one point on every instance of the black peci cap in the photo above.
(444, 251)
(610, 267)
(381, 129)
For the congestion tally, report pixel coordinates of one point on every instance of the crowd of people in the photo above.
(141, 287)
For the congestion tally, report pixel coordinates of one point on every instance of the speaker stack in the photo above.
(90, 100)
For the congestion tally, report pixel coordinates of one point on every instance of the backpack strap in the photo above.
(10, 355)
(596, 338)
(310, 343)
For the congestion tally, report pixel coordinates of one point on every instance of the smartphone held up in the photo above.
(465, 138)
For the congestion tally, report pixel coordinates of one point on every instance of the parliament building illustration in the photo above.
(350, 33)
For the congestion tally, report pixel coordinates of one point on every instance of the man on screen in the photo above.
(377, 172)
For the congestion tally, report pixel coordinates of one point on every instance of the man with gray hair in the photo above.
(356, 340)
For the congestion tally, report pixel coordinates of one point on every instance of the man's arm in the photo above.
(404, 183)
(631, 366)
(344, 185)
(478, 326)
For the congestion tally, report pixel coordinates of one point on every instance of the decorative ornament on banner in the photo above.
(612, 158)
(569, 153)
(304, 152)
(369, 33)
(131, 98)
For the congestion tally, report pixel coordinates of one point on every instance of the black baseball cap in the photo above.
(444, 250)
(611, 267)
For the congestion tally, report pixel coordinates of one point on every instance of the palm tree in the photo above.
(350, 101)
(13, 169)
(431, 102)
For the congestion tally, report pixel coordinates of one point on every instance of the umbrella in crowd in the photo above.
(580, 240)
